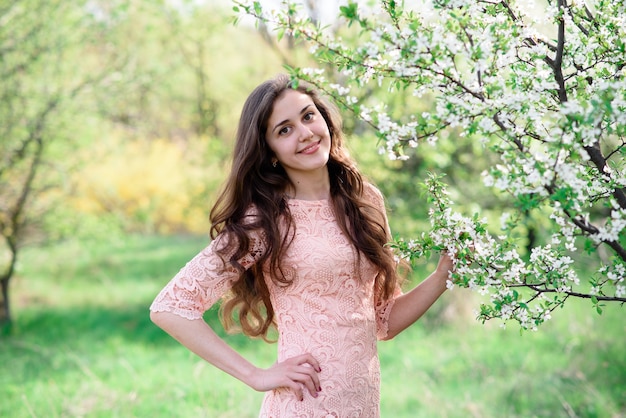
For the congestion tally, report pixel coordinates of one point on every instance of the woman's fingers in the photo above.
(307, 377)
(294, 373)
(306, 372)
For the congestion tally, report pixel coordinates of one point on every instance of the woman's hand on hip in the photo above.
(293, 373)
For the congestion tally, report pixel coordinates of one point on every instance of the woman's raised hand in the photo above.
(445, 264)
(293, 373)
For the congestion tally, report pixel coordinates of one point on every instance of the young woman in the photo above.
(299, 242)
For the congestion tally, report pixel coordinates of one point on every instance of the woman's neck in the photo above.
(310, 188)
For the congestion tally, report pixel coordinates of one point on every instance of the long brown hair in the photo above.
(255, 184)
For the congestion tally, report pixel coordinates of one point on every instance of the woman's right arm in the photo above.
(178, 310)
(198, 337)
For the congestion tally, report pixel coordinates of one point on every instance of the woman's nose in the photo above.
(304, 133)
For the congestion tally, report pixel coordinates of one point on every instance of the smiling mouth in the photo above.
(310, 147)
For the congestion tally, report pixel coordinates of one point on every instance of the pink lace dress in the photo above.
(329, 310)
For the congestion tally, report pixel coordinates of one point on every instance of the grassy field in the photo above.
(83, 346)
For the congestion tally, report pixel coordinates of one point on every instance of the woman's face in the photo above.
(298, 134)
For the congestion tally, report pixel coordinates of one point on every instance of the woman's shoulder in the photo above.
(373, 194)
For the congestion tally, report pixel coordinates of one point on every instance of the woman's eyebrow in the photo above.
(304, 109)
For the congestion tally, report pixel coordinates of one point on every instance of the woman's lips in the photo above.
(310, 149)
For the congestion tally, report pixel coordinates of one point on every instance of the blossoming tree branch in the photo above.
(542, 91)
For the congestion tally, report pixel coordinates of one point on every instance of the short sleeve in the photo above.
(202, 281)
(382, 307)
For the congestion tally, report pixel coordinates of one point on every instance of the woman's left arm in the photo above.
(409, 307)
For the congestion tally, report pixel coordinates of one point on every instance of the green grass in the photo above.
(83, 346)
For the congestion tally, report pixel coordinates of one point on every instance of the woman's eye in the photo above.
(283, 131)
(309, 116)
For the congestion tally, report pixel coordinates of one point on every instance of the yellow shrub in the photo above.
(152, 186)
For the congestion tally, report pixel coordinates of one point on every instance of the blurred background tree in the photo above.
(52, 54)
(116, 117)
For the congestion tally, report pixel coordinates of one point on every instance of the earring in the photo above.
(274, 162)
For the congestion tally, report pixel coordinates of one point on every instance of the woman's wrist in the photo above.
(250, 377)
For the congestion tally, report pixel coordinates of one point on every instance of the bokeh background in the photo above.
(117, 120)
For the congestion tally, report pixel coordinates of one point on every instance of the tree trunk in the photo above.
(5, 311)
(6, 321)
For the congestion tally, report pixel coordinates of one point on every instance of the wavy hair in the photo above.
(255, 184)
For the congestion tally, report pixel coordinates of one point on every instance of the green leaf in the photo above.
(350, 11)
